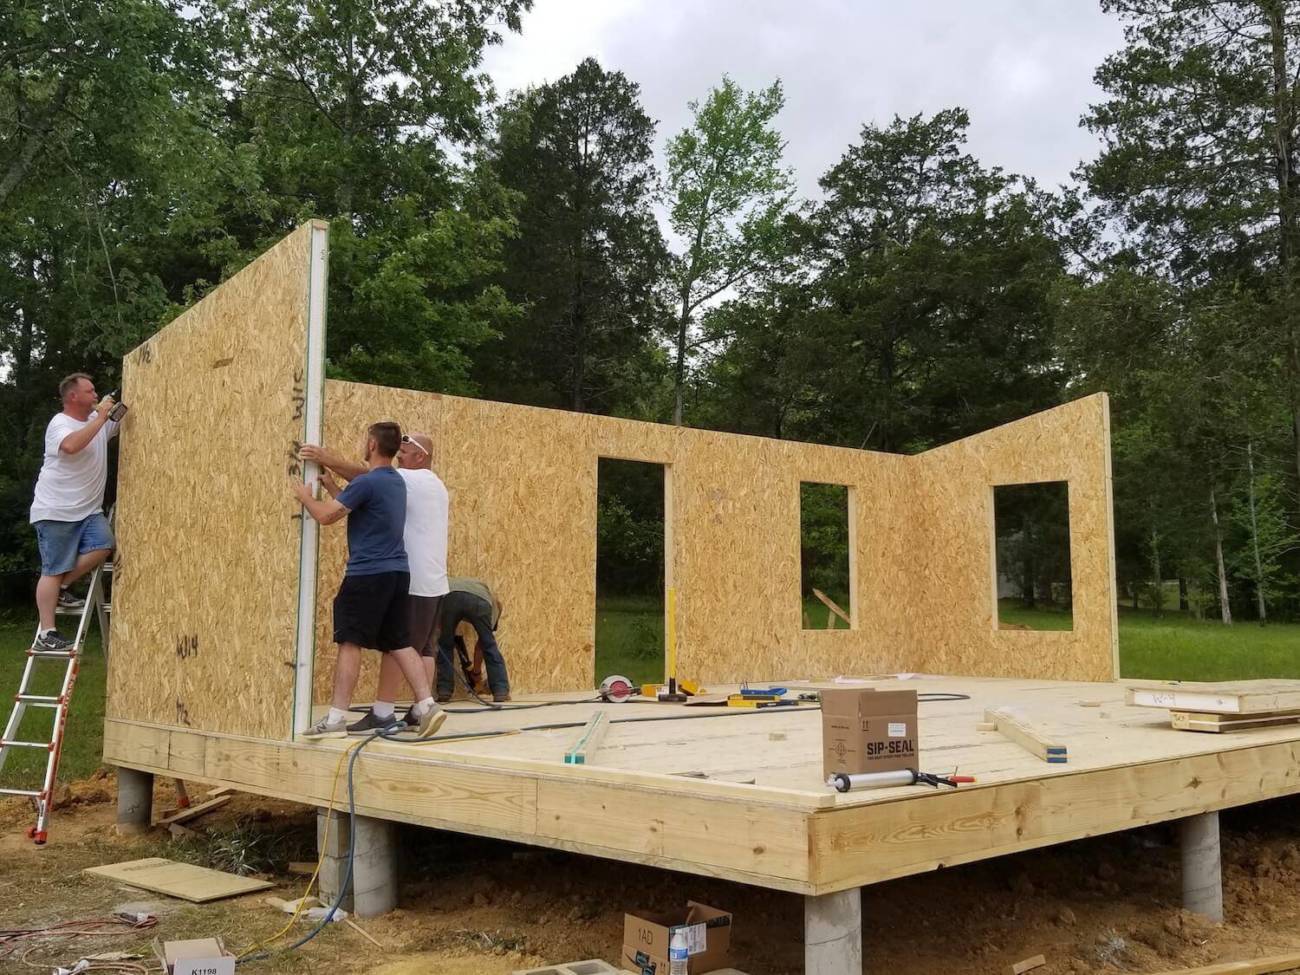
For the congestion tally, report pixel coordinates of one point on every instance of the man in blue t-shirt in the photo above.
(370, 609)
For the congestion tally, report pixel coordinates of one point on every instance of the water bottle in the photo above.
(677, 953)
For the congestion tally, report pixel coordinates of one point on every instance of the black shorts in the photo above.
(372, 611)
(424, 622)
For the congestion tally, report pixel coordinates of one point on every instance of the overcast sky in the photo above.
(1022, 68)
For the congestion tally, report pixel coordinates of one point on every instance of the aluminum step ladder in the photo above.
(96, 607)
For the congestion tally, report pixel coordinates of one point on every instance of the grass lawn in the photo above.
(1179, 647)
(82, 744)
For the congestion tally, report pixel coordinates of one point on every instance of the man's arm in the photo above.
(344, 468)
(79, 440)
(325, 512)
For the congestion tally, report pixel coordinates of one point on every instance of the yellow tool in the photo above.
(672, 695)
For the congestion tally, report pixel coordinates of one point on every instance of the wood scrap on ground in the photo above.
(1014, 724)
(185, 815)
(183, 880)
(1259, 966)
(1027, 965)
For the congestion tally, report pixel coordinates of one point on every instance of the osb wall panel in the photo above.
(522, 483)
(206, 588)
(956, 612)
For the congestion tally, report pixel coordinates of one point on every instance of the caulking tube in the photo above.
(871, 780)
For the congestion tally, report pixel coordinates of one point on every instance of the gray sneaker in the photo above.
(430, 722)
(372, 724)
(324, 729)
(70, 603)
(52, 640)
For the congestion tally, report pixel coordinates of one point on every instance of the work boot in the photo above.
(499, 697)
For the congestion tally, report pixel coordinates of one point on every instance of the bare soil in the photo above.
(480, 906)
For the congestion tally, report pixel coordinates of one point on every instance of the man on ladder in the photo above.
(74, 538)
(68, 508)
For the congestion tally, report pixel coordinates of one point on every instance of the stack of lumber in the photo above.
(1232, 706)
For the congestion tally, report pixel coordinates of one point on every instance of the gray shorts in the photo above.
(424, 623)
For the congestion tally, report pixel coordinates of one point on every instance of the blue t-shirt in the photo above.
(376, 503)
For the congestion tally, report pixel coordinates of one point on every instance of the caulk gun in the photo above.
(843, 782)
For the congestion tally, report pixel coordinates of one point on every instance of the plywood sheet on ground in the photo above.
(206, 589)
(184, 880)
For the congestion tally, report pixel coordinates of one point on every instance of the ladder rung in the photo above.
(68, 611)
(21, 792)
(47, 745)
(52, 654)
(108, 566)
(46, 699)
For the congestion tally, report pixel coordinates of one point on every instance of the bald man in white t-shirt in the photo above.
(425, 538)
(68, 504)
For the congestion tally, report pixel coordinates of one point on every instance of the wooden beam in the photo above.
(194, 812)
(1013, 724)
(703, 827)
(1260, 966)
(834, 610)
(1230, 697)
(856, 845)
(1219, 723)
(1027, 965)
(588, 740)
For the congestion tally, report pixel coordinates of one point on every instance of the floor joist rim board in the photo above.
(793, 839)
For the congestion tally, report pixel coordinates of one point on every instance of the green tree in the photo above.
(728, 195)
(114, 185)
(1199, 165)
(589, 260)
(933, 289)
(354, 109)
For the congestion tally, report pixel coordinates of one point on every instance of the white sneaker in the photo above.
(324, 729)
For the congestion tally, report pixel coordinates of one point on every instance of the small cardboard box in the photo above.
(203, 956)
(646, 938)
(865, 730)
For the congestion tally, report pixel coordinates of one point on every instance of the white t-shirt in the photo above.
(426, 531)
(71, 486)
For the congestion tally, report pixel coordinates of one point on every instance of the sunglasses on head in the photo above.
(406, 439)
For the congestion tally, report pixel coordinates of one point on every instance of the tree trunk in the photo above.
(1183, 606)
(1157, 582)
(1284, 153)
(1254, 533)
(679, 369)
(1225, 607)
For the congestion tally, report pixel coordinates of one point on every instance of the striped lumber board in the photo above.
(1230, 697)
(1219, 723)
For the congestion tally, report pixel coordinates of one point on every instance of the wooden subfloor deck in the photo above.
(785, 829)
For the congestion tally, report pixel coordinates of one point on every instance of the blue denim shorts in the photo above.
(61, 542)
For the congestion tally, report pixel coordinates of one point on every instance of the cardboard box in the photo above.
(865, 730)
(203, 956)
(646, 938)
